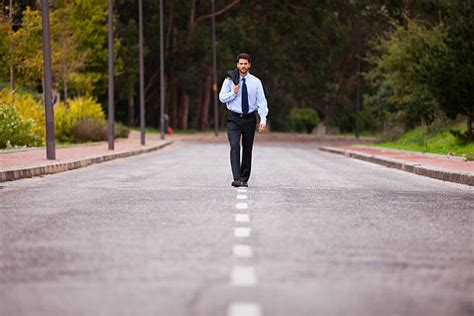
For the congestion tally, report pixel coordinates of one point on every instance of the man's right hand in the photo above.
(236, 88)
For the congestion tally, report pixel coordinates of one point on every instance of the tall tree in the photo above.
(449, 68)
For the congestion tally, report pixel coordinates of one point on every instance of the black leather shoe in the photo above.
(236, 183)
(244, 184)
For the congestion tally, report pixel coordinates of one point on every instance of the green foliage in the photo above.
(88, 129)
(462, 138)
(27, 43)
(85, 107)
(395, 78)
(5, 53)
(448, 70)
(16, 131)
(85, 44)
(78, 33)
(426, 69)
(83, 121)
(28, 107)
(83, 118)
(304, 119)
(121, 130)
(309, 53)
(441, 141)
(62, 124)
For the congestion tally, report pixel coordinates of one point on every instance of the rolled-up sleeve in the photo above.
(262, 106)
(227, 93)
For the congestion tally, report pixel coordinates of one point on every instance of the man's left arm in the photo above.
(262, 107)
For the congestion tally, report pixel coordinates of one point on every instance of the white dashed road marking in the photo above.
(242, 251)
(244, 309)
(243, 276)
(242, 218)
(241, 206)
(242, 232)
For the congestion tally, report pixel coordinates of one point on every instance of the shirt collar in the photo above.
(246, 77)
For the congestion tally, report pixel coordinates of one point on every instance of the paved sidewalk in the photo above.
(453, 169)
(32, 162)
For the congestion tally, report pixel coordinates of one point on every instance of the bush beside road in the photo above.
(22, 121)
(449, 141)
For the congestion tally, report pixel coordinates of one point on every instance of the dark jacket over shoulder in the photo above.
(234, 75)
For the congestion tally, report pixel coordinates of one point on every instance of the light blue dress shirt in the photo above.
(257, 100)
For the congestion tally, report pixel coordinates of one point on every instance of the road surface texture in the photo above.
(164, 233)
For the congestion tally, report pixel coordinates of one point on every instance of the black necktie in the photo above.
(245, 98)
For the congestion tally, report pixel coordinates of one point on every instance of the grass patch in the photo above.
(421, 139)
(148, 130)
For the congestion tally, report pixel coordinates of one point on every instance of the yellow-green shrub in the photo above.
(83, 119)
(15, 130)
(80, 108)
(72, 123)
(28, 108)
(62, 126)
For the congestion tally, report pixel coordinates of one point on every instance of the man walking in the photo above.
(244, 99)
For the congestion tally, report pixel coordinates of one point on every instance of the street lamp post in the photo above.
(10, 9)
(214, 70)
(48, 82)
(162, 76)
(357, 131)
(111, 77)
(142, 74)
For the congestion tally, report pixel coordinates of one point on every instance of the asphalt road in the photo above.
(165, 234)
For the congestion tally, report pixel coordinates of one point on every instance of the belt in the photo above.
(243, 115)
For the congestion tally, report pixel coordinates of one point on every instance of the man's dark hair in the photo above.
(244, 56)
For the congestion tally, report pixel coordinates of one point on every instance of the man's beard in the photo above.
(243, 71)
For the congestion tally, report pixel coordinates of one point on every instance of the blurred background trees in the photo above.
(415, 57)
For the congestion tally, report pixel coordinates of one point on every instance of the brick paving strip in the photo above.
(32, 162)
(440, 167)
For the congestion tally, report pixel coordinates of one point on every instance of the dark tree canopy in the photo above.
(305, 52)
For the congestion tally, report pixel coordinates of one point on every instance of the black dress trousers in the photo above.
(241, 127)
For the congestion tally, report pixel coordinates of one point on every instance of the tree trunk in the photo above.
(173, 110)
(205, 100)
(183, 111)
(131, 105)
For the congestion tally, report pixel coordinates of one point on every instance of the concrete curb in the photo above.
(458, 158)
(40, 170)
(420, 169)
